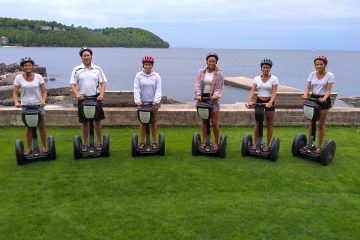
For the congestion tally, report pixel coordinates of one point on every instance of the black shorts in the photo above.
(270, 109)
(82, 119)
(324, 105)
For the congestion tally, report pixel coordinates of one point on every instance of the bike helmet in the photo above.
(266, 62)
(85, 48)
(212, 54)
(148, 58)
(25, 60)
(323, 58)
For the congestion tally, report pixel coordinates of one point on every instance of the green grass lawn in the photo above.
(179, 196)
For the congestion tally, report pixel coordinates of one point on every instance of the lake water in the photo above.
(178, 67)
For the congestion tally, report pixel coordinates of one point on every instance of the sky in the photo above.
(230, 24)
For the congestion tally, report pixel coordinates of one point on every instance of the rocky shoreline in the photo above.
(60, 96)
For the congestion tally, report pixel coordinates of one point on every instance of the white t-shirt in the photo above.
(318, 86)
(30, 90)
(265, 88)
(87, 80)
(207, 81)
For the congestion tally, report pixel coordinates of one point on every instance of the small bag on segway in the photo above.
(145, 114)
(311, 110)
(31, 117)
(204, 110)
(90, 108)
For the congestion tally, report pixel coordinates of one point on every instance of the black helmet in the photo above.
(85, 48)
(266, 62)
(212, 54)
(25, 60)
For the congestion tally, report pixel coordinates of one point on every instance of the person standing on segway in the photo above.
(33, 92)
(88, 80)
(210, 83)
(266, 84)
(147, 88)
(320, 83)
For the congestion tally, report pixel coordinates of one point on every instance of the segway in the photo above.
(90, 108)
(205, 110)
(246, 148)
(312, 112)
(31, 118)
(145, 115)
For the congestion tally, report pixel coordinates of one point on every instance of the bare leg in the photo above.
(215, 124)
(85, 131)
(42, 132)
(142, 133)
(269, 126)
(98, 128)
(203, 131)
(154, 124)
(28, 140)
(322, 121)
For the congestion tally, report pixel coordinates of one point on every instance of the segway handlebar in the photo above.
(31, 106)
(314, 100)
(255, 104)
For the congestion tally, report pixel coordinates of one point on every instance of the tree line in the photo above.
(35, 33)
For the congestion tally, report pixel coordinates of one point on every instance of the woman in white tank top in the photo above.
(319, 84)
(266, 85)
(33, 92)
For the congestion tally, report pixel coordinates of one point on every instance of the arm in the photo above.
(76, 92)
(137, 90)
(102, 91)
(157, 98)
(198, 86)
(273, 95)
(251, 94)
(16, 96)
(43, 94)
(219, 87)
(327, 93)
(307, 90)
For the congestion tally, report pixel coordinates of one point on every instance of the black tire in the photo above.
(19, 151)
(299, 142)
(196, 140)
(222, 146)
(161, 144)
(106, 145)
(52, 148)
(275, 149)
(246, 145)
(77, 147)
(328, 152)
(134, 144)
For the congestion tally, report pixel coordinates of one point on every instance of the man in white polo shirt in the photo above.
(88, 80)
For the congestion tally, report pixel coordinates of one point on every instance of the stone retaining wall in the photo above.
(181, 115)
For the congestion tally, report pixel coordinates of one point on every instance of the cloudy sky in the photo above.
(244, 24)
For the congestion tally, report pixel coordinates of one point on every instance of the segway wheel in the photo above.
(52, 148)
(196, 140)
(161, 144)
(299, 142)
(222, 146)
(77, 147)
(134, 144)
(328, 153)
(106, 145)
(275, 148)
(19, 151)
(246, 145)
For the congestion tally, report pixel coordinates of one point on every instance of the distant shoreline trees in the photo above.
(39, 33)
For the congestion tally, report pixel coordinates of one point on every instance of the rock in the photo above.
(166, 100)
(6, 92)
(355, 101)
(52, 79)
(8, 102)
(40, 70)
(14, 67)
(9, 79)
(2, 68)
(63, 91)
